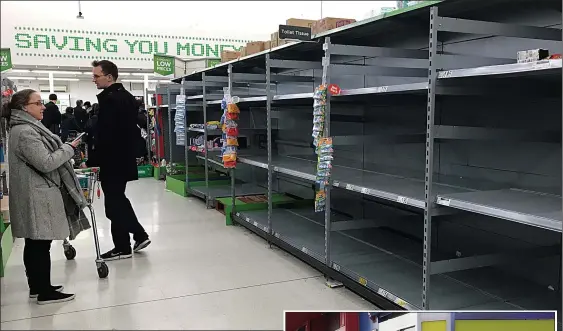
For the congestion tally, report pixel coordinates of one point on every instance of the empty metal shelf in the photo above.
(389, 264)
(222, 191)
(402, 190)
(526, 207)
(513, 69)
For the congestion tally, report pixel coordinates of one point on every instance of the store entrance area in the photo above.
(197, 274)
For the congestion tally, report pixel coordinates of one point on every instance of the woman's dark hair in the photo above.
(18, 101)
(87, 104)
(69, 110)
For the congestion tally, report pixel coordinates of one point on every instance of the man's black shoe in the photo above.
(116, 255)
(140, 245)
(33, 293)
(54, 297)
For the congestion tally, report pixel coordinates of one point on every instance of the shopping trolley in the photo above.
(88, 179)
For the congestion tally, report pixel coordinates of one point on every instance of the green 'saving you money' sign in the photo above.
(70, 43)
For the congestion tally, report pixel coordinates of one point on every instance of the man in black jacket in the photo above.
(51, 115)
(117, 134)
(80, 115)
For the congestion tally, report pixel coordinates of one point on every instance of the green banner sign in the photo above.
(6, 59)
(164, 65)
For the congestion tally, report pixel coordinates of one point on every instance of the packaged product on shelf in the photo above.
(320, 201)
(324, 166)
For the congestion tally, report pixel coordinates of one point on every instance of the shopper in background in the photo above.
(68, 124)
(116, 155)
(88, 107)
(90, 129)
(40, 180)
(52, 116)
(80, 115)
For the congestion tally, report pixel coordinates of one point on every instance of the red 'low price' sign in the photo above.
(334, 89)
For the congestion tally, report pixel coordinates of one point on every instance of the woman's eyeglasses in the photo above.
(38, 103)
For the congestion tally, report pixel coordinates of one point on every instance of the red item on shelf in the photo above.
(230, 164)
(231, 116)
(334, 89)
(232, 132)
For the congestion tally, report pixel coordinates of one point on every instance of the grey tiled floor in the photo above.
(197, 274)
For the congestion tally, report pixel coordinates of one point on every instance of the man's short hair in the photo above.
(108, 68)
(53, 97)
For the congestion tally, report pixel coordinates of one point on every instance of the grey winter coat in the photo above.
(37, 209)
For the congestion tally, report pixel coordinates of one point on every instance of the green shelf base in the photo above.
(145, 171)
(7, 244)
(225, 205)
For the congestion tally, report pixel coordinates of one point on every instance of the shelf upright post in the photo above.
(149, 138)
(186, 149)
(429, 170)
(204, 104)
(326, 81)
(170, 131)
(233, 180)
(269, 133)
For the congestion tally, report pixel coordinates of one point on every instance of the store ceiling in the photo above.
(61, 74)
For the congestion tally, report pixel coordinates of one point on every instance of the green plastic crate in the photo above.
(225, 205)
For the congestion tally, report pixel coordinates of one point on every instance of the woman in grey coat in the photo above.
(37, 161)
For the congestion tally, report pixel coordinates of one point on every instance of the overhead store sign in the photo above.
(164, 65)
(40, 45)
(294, 32)
(5, 59)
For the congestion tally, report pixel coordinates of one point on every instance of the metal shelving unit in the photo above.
(431, 209)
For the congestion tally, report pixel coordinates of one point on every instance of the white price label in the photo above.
(349, 187)
(266, 229)
(444, 202)
(365, 190)
(336, 267)
(335, 184)
(238, 214)
(445, 74)
(382, 89)
(248, 220)
(304, 250)
(383, 293)
(277, 235)
(542, 65)
(402, 200)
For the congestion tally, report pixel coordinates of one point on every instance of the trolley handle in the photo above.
(87, 170)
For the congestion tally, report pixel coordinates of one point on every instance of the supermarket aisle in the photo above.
(197, 274)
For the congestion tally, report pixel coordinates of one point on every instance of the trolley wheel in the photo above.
(70, 253)
(103, 270)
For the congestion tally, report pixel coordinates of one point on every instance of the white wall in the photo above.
(400, 323)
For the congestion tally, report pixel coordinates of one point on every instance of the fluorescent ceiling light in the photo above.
(20, 70)
(141, 74)
(60, 79)
(23, 78)
(57, 72)
(164, 81)
(132, 80)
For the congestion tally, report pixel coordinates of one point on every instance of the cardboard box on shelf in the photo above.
(275, 40)
(329, 23)
(227, 56)
(254, 47)
(243, 52)
(267, 44)
(300, 22)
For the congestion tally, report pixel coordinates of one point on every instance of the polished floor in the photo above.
(197, 274)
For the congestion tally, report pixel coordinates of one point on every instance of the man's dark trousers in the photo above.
(123, 219)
